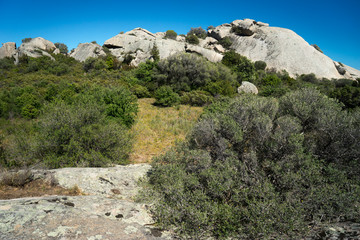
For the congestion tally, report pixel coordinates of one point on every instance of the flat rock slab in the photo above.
(101, 215)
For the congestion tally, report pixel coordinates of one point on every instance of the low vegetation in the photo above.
(253, 167)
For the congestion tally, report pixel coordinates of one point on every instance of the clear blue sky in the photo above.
(333, 25)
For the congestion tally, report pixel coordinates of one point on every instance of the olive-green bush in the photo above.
(171, 34)
(196, 98)
(198, 32)
(186, 72)
(166, 97)
(192, 39)
(240, 65)
(260, 168)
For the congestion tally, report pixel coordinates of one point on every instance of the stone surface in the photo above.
(106, 212)
(220, 31)
(8, 50)
(86, 50)
(208, 54)
(247, 87)
(37, 47)
(139, 42)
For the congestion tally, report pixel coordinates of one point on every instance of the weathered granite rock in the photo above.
(139, 42)
(106, 212)
(8, 50)
(247, 87)
(220, 31)
(282, 49)
(86, 50)
(208, 54)
(37, 47)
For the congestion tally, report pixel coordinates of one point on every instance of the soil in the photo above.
(36, 188)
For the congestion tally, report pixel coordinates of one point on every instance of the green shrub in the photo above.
(198, 32)
(80, 135)
(260, 65)
(317, 47)
(140, 91)
(185, 72)
(26, 40)
(192, 39)
(121, 104)
(171, 34)
(225, 42)
(62, 47)
(155, 53)
(242, 66)
(166, 97)
(6, 63)
(259, 168)
(196, 98)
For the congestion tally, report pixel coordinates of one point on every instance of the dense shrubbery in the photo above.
(192, 39)
(196, 98)
(240, 65)
(185, 72)
(166, 97)
(75, 127)
(225, 42)
(171, 34)
(261, 168)
(198, 32)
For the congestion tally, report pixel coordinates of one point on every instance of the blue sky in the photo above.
(333, 25)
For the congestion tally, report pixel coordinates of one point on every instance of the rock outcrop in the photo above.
(37, 47)
(8, 50)
(107, 211)
(139, 43)
(86, 50)
(247, 87)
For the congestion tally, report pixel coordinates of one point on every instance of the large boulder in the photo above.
(281, 49)
(208, 54)
(247, 87)
(105, 211)
(37, 47)
(87, 50)
(139, 42)
(8, 50)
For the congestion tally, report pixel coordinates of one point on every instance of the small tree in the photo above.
(193, 39)
(62, 47)
(171, 34)
(260, 65)
(226, 42)
(199, 32)
(155, 53)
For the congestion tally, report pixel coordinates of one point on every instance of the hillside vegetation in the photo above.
(251, 167)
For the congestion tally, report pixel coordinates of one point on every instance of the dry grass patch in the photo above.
(156, 128)
(21, 184)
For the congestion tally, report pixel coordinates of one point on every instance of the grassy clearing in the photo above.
(157, 129)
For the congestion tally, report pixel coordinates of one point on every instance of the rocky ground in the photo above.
(106, 211)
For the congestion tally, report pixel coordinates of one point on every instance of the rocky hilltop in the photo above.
(280, 48)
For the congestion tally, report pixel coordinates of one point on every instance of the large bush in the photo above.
(241, 65)
(185, 72)
(260, 168)
(171, 34)
(198, 32)
(80, 135)
(166, 97)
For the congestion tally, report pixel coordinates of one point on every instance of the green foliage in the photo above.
(260, 65)
(6, 63)
(226, 42)
(242, 66)
(92, 64)
(171, 34)
(155, 53)
(185, 72)
(79, 135)
(140, 91)
(196, 98)
(62, 47)
(26, 40)
(192, 39)
(121, 104)
(257, 167)
(198, 32)
(348, 95)
(166, 97)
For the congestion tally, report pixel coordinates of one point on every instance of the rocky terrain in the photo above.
(280, 48)
(106, 211)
